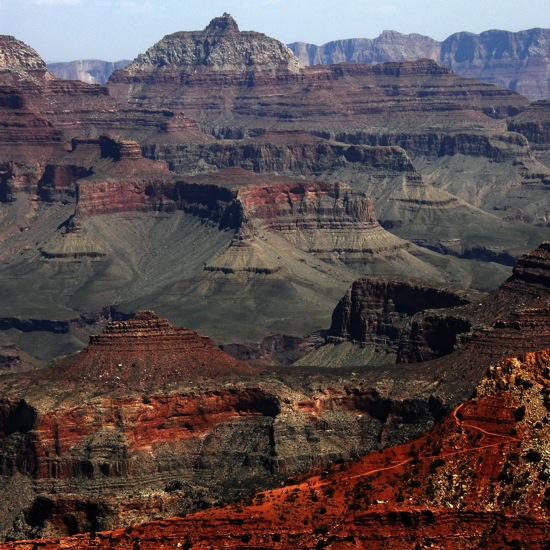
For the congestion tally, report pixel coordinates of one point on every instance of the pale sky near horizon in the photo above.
(65, 30)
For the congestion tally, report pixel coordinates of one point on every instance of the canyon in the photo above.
(137, 426)
(515, 60)
(369, 242)
(478, 479)
(451, 179)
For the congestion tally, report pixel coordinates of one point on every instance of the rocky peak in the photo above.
(534, 267)
(146, 351)
(220, 46)
(16, 55)
(225, 23)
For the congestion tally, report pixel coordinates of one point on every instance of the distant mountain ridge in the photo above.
(516, 60)
(91, 71)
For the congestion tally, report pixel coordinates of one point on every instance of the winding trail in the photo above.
(310, 485)
(460, 422)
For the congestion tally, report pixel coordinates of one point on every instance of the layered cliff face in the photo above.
(451, 127)
(389, 46)
(381, 321)
(480, 478)
(75, 109)
(80, 211)
(107, 214)
(319, 98)
(400, 316)
(534, 124)
(27, 138)
(515, 60)
(154, 420)
(147, 431)
(519, 61)
(194, 59)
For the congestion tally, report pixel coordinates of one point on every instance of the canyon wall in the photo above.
(515, 60)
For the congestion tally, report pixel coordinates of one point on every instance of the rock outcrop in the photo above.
(17, 57)
(534, 124)
(146, 432)
(519, 61)
(437, 117)
(382, 321)
(244, 100)
(220, 47)
(515, 60)
(401, 316)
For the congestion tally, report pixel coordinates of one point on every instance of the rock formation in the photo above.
(74, 185)
(146, 432)
(480, 478)
(515, 60)
(402, 315)
(389, 46)
(384, 321)
(18, 58)
(534, 124)
(154, 420)
(220, 47)
(62, 156)
(310, 95)
(438, 118)
(280, 175)
(519, 61)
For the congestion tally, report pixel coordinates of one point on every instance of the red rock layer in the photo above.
(479, 479)
(146, 351)
(405, 89)
(317, 217)
(327, 205)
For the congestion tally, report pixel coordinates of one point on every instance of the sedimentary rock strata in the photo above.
(516, 60)
(150, 419)
(73, 184)
(385, 312)
(156, 406)
(383, 321)
(437, 117)
(480, 478)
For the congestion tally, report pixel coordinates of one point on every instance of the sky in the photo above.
(111, 30)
